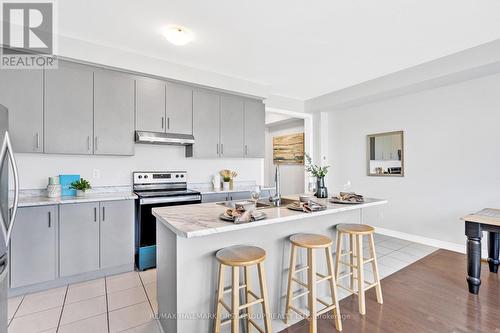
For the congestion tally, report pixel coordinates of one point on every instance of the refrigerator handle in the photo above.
(7, 150)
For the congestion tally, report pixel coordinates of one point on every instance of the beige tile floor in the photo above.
(126, 302)
(120, 303)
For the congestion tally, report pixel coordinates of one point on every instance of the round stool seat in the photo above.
(311, 241)
(356, 229)
(241, 255)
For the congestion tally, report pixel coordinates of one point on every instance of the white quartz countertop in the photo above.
(203, 219)
(28, 201)
(236, 188)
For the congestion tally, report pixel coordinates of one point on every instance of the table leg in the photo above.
(493, 251)
(473, 232)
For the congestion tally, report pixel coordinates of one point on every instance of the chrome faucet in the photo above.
(276, 198)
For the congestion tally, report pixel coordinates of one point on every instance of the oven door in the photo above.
(145, 242)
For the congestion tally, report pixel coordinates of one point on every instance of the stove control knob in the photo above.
(145, 176)
(140, 177)
(182, 176)
(176, 176)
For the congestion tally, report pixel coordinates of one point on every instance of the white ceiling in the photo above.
(301, 49)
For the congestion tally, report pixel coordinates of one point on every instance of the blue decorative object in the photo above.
(147, 257)
(66, 181)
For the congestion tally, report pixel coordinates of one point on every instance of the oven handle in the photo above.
(184, 198)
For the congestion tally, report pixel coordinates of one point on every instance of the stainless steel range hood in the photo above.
(164, 138)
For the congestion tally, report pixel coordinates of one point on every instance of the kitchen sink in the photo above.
(260, 204)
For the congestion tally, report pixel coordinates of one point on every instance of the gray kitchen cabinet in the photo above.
(231, 126)
(206, 122)
(214, 197)
(179, 108)
(113, 113)
(239, 195)
(33, 246)
(78, 238)
(150, 105)
(254, 129)
(117, 233)
(69, 109)
(21, 91)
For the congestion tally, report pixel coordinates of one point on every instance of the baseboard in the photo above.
(423, 240)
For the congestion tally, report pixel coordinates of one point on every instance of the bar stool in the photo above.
(357, 261)
(312, 242)
(236, 257)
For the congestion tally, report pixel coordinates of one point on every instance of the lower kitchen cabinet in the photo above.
(239, 195)
(33, 246)
(214, 197)
(117, 233)
(79, 238)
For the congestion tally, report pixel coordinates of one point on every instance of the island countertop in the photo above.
(203, 219)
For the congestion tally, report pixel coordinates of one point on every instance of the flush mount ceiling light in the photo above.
(178, 35)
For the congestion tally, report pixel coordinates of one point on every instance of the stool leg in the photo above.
(376, 275)
(311, 283)
(247, 294)
(220, 295)
(265, 303)
(333, 289)
(360, 275)
(291, 272)
(351, 261)
(337, 256)
(235, 300)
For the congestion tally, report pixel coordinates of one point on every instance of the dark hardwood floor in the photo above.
(430, 295)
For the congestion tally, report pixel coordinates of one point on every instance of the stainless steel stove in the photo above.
(156, 189)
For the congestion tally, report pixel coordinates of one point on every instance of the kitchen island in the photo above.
(189, 236)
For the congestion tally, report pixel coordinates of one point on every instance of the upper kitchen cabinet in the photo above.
(21, 91)
(206, 122)
(179, 110)
(254, 128)
(69, 109)
(231, 126)
(150, 105)
(113, 113)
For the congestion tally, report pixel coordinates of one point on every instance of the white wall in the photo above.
(117, 170)
(292, 175)
(452, 156)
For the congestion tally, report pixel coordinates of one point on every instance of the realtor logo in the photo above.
(27, 35)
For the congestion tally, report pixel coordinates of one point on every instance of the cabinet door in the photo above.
(21, 91)
(231, 126)
(33, 246)
(113, 113)
(150, 107)
(179, 108)
(214, 197)
(69, 109)
(206, 108)
(254, 129)
(79, 238)
(239, 195)
(117, 233)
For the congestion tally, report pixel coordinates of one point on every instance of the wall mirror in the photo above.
(386, 154)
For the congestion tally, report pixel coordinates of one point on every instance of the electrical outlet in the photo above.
(96, 173)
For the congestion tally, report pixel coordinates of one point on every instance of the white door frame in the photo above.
(308, 133)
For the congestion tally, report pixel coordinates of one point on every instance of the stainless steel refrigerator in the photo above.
(7, 209)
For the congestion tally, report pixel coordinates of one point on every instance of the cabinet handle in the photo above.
(217, 149)
(37, 141)
(95, 214)
(222, 149)
(103, 213)
(246, 150)
(162, 122)
(88, 142)
(95, 143)
(50, 220)
(168, 122)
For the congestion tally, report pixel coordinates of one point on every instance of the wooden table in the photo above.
(486, 220)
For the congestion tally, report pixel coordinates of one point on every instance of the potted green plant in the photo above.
(319, 172)
(80, 186)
